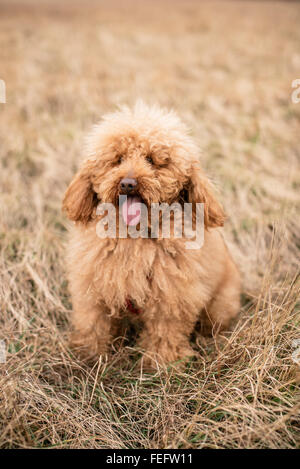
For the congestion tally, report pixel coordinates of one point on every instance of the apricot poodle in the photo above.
(145, 153)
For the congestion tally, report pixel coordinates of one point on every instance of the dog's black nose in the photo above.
(128, 185)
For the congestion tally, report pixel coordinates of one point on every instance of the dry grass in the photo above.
(227, 68)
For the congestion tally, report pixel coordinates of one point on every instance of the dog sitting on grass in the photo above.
(147, 155)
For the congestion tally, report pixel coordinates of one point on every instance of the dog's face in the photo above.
(145, 154)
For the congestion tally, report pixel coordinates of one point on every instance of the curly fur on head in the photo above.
(171, 286)
(151, 144)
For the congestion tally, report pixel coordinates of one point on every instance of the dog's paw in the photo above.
(178, 359)
(86, 348)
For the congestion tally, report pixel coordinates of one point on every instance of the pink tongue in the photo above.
(131, 210)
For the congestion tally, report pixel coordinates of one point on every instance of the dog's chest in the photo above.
(134, 271)
(125, 271)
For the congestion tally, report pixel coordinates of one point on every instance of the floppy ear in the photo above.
(80, 199)
(200, 190)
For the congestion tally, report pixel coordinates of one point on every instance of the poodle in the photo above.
(146, 155)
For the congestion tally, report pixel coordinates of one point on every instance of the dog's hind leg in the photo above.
(224, 305)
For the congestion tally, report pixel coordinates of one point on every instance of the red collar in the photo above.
(130, 307)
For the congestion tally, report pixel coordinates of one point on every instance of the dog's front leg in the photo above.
(91, 329)
(165, 338)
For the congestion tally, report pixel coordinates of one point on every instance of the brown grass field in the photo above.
(227, 68)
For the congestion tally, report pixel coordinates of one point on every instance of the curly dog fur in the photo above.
(172, 287)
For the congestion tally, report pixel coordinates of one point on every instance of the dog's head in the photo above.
(147, 154)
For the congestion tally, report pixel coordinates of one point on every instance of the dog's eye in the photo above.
(120, 159)
(150, 159)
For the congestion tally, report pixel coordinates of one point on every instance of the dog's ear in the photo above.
(80, 199)
(200, 190)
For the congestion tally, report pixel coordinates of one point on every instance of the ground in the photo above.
(227, 68)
